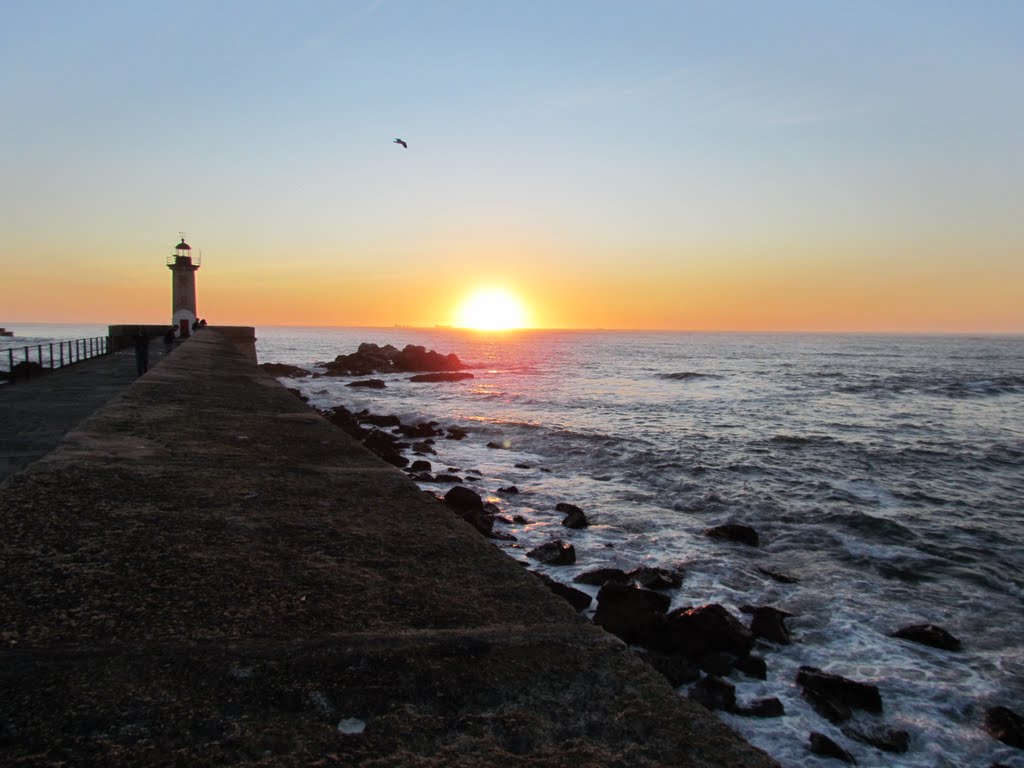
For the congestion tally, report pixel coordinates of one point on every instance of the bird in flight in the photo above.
(399, 141)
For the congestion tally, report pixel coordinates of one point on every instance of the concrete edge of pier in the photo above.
(206, 572)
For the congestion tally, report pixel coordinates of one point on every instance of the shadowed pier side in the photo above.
(207, 572)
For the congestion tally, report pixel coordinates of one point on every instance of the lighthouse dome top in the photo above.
(183, 246)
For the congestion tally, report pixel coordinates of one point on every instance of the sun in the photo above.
(491, 309)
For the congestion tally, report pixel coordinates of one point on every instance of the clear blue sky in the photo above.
(710, 146)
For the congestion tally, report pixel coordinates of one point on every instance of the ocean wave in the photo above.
(957, 388)
(687, 375)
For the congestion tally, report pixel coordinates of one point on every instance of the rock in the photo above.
(575, 519)
(370, 358)
(602, 576)
(743, 534)
(423, 429)
(456, 433)
(820, 744)
(720, 664)
(519, 519)
(468, 505)
(522, 466)
(379, 421)
(298, 394)
(1005, 725)
(779, 577)
(766, 707)
(752, 666)
(499, 446)
(768, 623)
(678, 670)
(714, 693)
(285, 371)
(929, 634)
(577, 599)
(446, 478)
(421, 465)
(631, 613)
(368, 383)
(885, 739)
(564, 506)
(342, 417)
(509, 491)
(417, 358)
(555, 552)
(387, 447)
(836, 688)
(834, 711)
(432, 377)
(656, 578)
(705, 629)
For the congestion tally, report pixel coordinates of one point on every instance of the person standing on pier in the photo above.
(141, 352)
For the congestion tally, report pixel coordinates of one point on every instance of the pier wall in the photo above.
(207, 572)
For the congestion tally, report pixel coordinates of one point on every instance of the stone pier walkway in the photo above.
(205, 572)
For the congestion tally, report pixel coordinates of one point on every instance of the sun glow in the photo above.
(491, 309)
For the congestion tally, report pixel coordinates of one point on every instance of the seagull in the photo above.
(399, 141)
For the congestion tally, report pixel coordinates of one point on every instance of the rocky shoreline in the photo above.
(695, 646)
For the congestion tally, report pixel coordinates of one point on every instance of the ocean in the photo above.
(883, 474)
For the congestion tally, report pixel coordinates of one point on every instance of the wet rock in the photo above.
(720, 664)
(678, 670)
(519, 519)
(929, 634)
(468, 505)
(370, 358)
(555, 552)
(421, 465)
(631, 613)
(510, 490)
(752, 666)
(656, 578)
(840, 689)
(456, 433)
(602, 576)
(522, 466)
(432, 377)
(766, 707)
(834, 711)
(705, 629)
(737, 532)
(820, 744)
(779, 577)
(379, 420)
(367, 383)
(423, 429)
(285, 371)
(575, 519)
(768, 623)
(499, 446)
(387, 447)
(1005, 725)
(714, 693)
(881, 737)
(446, 478)
(342, 417)
(577, 599)
(564, 506)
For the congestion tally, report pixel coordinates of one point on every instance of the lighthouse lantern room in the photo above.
(183, 266)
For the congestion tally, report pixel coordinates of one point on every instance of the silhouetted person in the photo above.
(195, 325)
(202, 323)
(169, 338)
(141, 352)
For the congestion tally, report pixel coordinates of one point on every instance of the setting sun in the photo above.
(492, 309)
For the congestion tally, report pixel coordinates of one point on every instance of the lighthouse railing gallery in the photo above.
(24, 362)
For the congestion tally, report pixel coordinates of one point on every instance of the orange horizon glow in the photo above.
(491, 309)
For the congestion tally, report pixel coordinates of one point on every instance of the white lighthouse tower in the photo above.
(183, 291)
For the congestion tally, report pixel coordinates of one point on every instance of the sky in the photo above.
(795, 165)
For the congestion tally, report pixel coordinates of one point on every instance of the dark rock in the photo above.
(834, 711)
(378, 420)
(602, 576)
(283, 370)
(424, 448)
(501, 536)
(423, 429)
(522, 466)
(417, 358)
(885, 739)
(468, 505)
(631, 613)
(766, 707)
(519, 519)
(743, 534)
(678, 670)
(714, 693)
(421, 465)
(510, 490)
(342, 417)
(779, 577)
(576, 519)
(820, 744)
(499, 446)
(705, 629)
(456, 433)
(577, 599)
(370, 358)
(298, 394)
(656, 578)
(368, 383)
(446, 478)
(720, 664)
(387, 447)
(752, 666)
(564, 506)
(836, 688)
(769, 623)
(555, 552)
(1005, 725)
(929, 634)
(431, 377)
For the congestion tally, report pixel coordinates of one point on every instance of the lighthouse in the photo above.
(183, 289)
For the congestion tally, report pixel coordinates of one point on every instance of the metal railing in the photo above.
(24, 362)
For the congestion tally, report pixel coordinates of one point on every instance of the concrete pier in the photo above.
(205, 572)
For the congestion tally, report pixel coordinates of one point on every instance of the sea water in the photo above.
(885, 474)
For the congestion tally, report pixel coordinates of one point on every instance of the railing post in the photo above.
(51, 356)
(61, 344)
